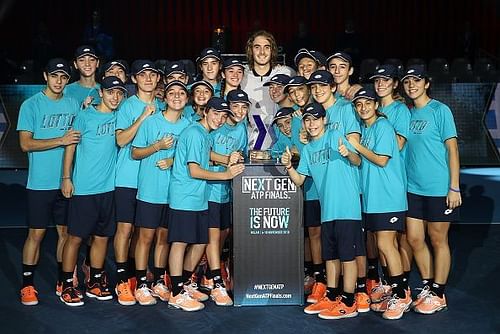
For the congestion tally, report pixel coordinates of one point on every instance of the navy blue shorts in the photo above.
(126, 204)
(340, 240)
(190, 227)
(312, 213)
(361, 240)
(431, 209)
(46, 206)
(387, 221)
(219, 215)
(151, 215)
(92, 215)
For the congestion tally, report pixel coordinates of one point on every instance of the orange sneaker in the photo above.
(339, 311)
(363, 302)
(308, 284)
(318, 292)
(220, 297)
(370, 284)
(184, 302)
(431, 304)
(193, 292)
(161, 291)
(144, 296)
(322, 305)
(396, 306)
(29, 296)
(206, 283)
(69, 296)
(380, 292)
(421, 296)
(98, 291)
(380, 306)
(124, 294)
(59, 288)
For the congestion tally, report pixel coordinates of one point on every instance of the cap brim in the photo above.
(385, 76)
(87, 54)
(123, 88)
(200, 59)
(309, 114)
(311, 82)
(418, 76)
(147, 69)
(60, 70)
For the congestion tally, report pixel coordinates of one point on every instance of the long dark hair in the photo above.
(274, 47)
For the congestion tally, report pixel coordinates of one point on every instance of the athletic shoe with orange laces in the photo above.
(161, 291)
(322, 305)
(431, 304)
(59, 287)
(421, 296)
(370, 284)
(363, 302)
(396, 306)
(206, 283)
(29, 296)
(144, 296)
(308, 284)
(380, 292)
(193, 292)
(220, 297)
(339, 311)
(318, 292)
(69, 296)
(124, 294)
(184, 302)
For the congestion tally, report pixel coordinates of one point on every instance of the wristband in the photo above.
(154, 146)
(454, 190)
(288, 168)
(65, 177)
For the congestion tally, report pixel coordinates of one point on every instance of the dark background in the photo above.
(171, 30)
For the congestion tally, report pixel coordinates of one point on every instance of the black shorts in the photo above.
(312, 213)
(387, 221)
(431, 209)
(190, 227)
(126, 203)
(340, 240)
(92, 215)
(219, 215)
(46, 206)
(151, 215)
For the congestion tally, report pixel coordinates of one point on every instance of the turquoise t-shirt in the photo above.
(342, 116)
(153, 182)
(94, 164)
(336, 179)
(46, 119)
(185, 192)
(161, 104)
(190, 114)
(398, 115)
(383, 188)
(427, 156)
(127, 168)
(225, 140)
(80, 93)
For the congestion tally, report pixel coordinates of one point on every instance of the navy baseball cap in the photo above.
(176, 83)
(231, 62)
(202, 83)
(175, 67)
(238, 95)
(321, 77)
(113, 82)
(366, 93)
(294, 82)
(314, 109)
(58, 65)
(279, 79)
(386, 71)
(342, 55)
(85, 50)
(314, 55)
(119, 62)
(209, 52)
(282, 113)
(141, 65)
(219, 105)
(417, 71)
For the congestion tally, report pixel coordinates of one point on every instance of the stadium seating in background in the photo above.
(461, 70)
(439, 70)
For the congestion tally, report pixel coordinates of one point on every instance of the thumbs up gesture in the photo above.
(286, 158)
(343, 149)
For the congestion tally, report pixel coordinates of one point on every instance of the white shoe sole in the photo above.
(90, 295)
(350, 315)
(184, 308)
(72, 304)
